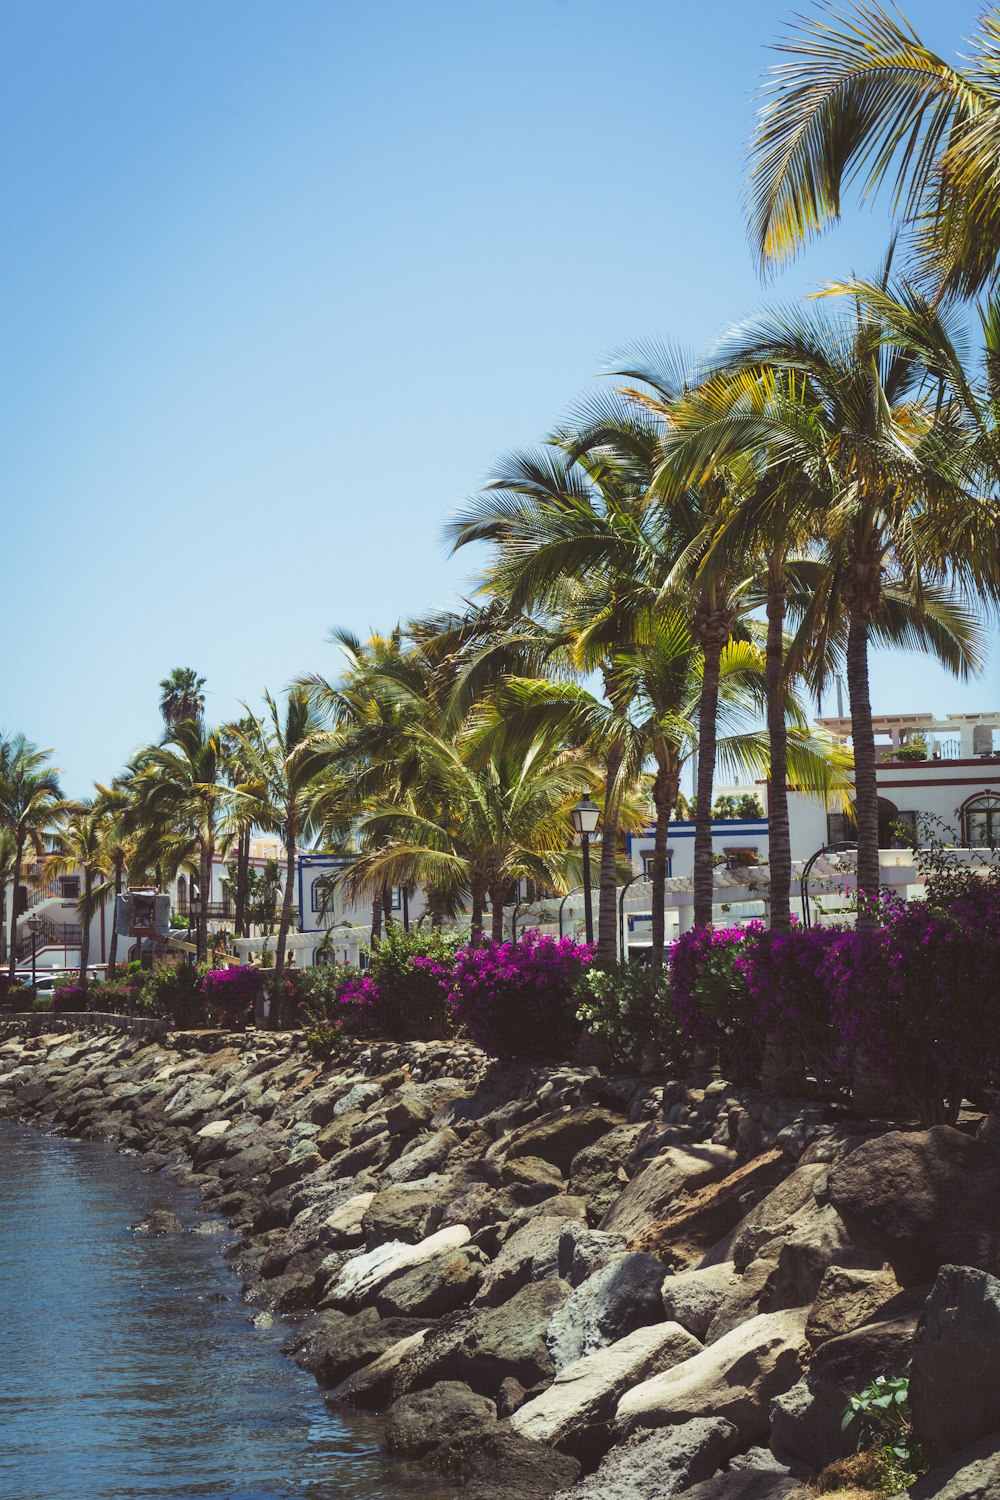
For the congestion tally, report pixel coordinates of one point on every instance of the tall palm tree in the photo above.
(887, 459)
(180, 793)
(30, 800)
(81, 847)
(284, 756)
(862, 100)
(181, 696)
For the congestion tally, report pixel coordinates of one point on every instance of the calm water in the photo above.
(128, 1367)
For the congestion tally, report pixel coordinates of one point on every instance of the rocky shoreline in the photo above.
(556, 1283)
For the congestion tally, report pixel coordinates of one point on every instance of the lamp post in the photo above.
(34, 927)
(585, 815)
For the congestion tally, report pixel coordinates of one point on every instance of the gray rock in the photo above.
(973, 1474)
(584, 1251)
(498, 1463)
(956, 1362)
(596, 1173)
(693, 1298)
(625, 1295)
(160, 1221)
(657, 1463)
(735, 1378)
(847, 1298)
(587, 1391)
(530, 1179)
(806, 1420)
(531, 1254)
(371, 1386)
(817, 1240)
(363, 1276)
(749, 1484)
(401, 1212)
(424, 1157)
(449, 1412)
(435, 1287)
(561, 1137)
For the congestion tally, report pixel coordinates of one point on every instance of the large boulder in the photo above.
(448, 1412)
(363, 1276)
(587, 1391)
(435, 1287)
(956, 1362)
(531, 1254)
(485, 1345)
(656, 1463)
(344, 1225)
(660, 1183)
(371, 1386)
(846, 1298)
(815, 1241)
(423, 1157)
(921, 1200)
(401, 1211)
(698, 1221)
(611, 1303)
(596, 1173)
(973, 1474)
(749, 1484)
(337, 1344)
(561, 1137)
(776, 1208)
(693, 1298)
(496, 1463)
(735, 1378)
(807, 1420)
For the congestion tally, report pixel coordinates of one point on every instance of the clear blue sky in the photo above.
(281, 279)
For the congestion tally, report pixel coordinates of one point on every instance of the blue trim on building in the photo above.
(684, 828)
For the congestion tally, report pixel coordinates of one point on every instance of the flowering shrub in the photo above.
(629, 1007)
(785, 979)
(711, 1001)
(517, 1000)
(233, 992)
(68, 997)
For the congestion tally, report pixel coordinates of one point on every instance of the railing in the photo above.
(217, 910)
(62, 934)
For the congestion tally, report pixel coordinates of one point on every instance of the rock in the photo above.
(584, 1251)
(160, 1221)
(659, 1184)
(530, 1254)
(344, 1225)
(214, 1129)
(435, 1287)
(611, 1303)
(806, 1420)
(363, 1276)
(956, 1362)
(749, 1484)
(973, 1474)
(400, 1212)
(745, 1300)
(335, 1344)
(847, 1298)
(447, 1412)
(596, 1173)
(777, 1208)
(498, 1463)
(561, 1137)
(424, 1157)
(694, 1228)
(371, 1386)
(510, 1397)
(693, 1298)
(656, 1463)
(485, 1345)
(921, 1200)
(587, 1391)
(530, 1179)
(735, 1378)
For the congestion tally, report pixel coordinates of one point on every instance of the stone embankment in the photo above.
(554, 1283)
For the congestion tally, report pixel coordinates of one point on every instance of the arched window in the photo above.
(182, 894)
(981, 821)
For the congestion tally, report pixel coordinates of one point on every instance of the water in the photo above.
(128, 1366)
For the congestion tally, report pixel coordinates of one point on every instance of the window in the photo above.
(647, 864)
(70, 887)
(981, 821)
(397, 898)
(840, 828)
(322, 895)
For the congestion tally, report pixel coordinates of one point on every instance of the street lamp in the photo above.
(34, 927)
(585, 815)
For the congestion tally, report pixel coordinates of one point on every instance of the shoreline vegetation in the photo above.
(554, 1282)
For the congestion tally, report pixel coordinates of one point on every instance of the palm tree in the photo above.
(886, 458)
(284, 757)
(81, 846)
(30, 800)
(863, 100)
(181, 696)
(179, 796)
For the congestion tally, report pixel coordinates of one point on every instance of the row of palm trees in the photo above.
(698, 549)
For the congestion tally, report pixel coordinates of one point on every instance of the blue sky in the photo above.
(282, 279)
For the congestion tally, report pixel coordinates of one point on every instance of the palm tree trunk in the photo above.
(497, 893)
(664, 799)
(113, 949)
(713, 635)
(607, 915)
(286, 901)
(387, 907)
(779, 838)
(205, 883)
(376, 934)
(242, 867)
(865, 784)
(18, 856)
(88, 887)
(478, 902)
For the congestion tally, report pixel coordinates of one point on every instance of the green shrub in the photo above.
(412, 1004)
(629, 1007)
